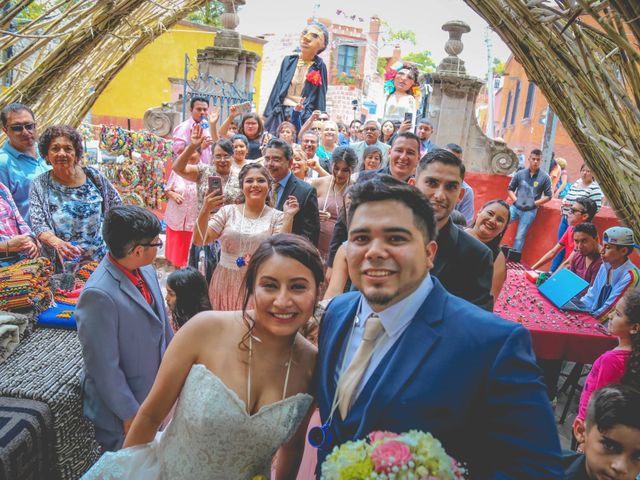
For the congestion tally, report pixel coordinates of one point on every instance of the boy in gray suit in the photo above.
(122, 324)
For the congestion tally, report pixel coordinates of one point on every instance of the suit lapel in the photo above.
(337, 328)
(397, 368)
(288, 190)
(129, 289)
(447, 239)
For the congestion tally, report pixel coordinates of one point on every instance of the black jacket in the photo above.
(315, 95)
(464, 266)
(575, 468)
(307, 220)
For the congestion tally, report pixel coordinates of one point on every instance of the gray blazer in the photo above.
(123, 339)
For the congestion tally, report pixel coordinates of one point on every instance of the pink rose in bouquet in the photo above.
(390, 454)
(380, 435)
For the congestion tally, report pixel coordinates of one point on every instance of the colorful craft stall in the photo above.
(134, 162)
(556, 334)
(42, 427)
(60, 313)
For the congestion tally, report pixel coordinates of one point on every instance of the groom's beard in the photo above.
(380, 299)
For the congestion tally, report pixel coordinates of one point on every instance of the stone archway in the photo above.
(582, 54)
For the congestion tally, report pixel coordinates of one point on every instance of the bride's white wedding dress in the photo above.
(211, 436)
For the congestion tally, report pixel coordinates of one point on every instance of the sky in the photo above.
(424, 17)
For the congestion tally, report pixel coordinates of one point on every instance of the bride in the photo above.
(241, 380)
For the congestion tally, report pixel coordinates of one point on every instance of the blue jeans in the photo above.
(557, 260)
(525, 221)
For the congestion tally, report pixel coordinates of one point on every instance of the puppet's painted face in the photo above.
(404, 80)
(312, 39)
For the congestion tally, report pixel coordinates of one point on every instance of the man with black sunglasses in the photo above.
(122, 324)
(19, 159)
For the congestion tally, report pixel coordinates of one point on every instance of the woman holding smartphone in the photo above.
(240, 229)
(198, 172)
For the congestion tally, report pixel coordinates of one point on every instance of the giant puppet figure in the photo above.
(302, 76)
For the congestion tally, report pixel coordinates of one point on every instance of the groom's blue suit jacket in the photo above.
(459, 372)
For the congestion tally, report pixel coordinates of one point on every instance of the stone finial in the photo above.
(230, 18)
(454, 46)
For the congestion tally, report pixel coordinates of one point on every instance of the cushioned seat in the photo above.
(26, 439)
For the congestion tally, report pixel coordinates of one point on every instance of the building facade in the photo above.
(155, 75)
(351, 60)
(520, 111)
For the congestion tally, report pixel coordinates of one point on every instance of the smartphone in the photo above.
(408, 117)
(245, 107)
(215, 184)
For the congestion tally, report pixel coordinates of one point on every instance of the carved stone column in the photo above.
(452, 111)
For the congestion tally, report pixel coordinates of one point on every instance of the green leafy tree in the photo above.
(423, 60)
(32, 11)
(208, 14)
(390, 35)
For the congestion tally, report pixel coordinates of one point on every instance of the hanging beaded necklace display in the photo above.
(332, 193)
(286, 376)
(243, 260)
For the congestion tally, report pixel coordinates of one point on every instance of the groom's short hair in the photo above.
(385, 187)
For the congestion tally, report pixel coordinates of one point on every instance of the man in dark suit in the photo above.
(278, 159)
(463, 264)
(122, 324)
(403, 159)
(403, 353)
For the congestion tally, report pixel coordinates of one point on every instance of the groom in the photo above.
(403, 353)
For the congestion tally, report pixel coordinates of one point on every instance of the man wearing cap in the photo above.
(616, 275)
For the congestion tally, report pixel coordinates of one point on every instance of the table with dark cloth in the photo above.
(46, 367)
(556, 334)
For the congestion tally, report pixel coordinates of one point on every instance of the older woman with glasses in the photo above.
(68, 204)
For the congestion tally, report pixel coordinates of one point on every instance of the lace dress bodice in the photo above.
(211, 436)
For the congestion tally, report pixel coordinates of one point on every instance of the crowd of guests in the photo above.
(374, 210)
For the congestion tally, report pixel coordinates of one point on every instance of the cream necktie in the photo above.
(274, 195)
(350, 378)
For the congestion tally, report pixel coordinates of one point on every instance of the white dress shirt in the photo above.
(394, 319)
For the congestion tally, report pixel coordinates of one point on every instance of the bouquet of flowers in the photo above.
(386, 455)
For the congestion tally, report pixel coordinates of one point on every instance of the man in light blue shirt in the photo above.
(19, 159)
(404, 354)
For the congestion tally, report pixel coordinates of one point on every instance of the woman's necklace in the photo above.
(286, 376)
(332, 192)
(243, 260)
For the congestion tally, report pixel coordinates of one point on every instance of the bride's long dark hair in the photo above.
(287, 245)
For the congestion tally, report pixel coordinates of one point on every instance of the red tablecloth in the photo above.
(556, 334)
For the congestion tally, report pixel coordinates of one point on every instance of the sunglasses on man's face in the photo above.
(18, 128)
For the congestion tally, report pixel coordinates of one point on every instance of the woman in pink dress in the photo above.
(331, 191)
(180, 215)
(240, 229)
